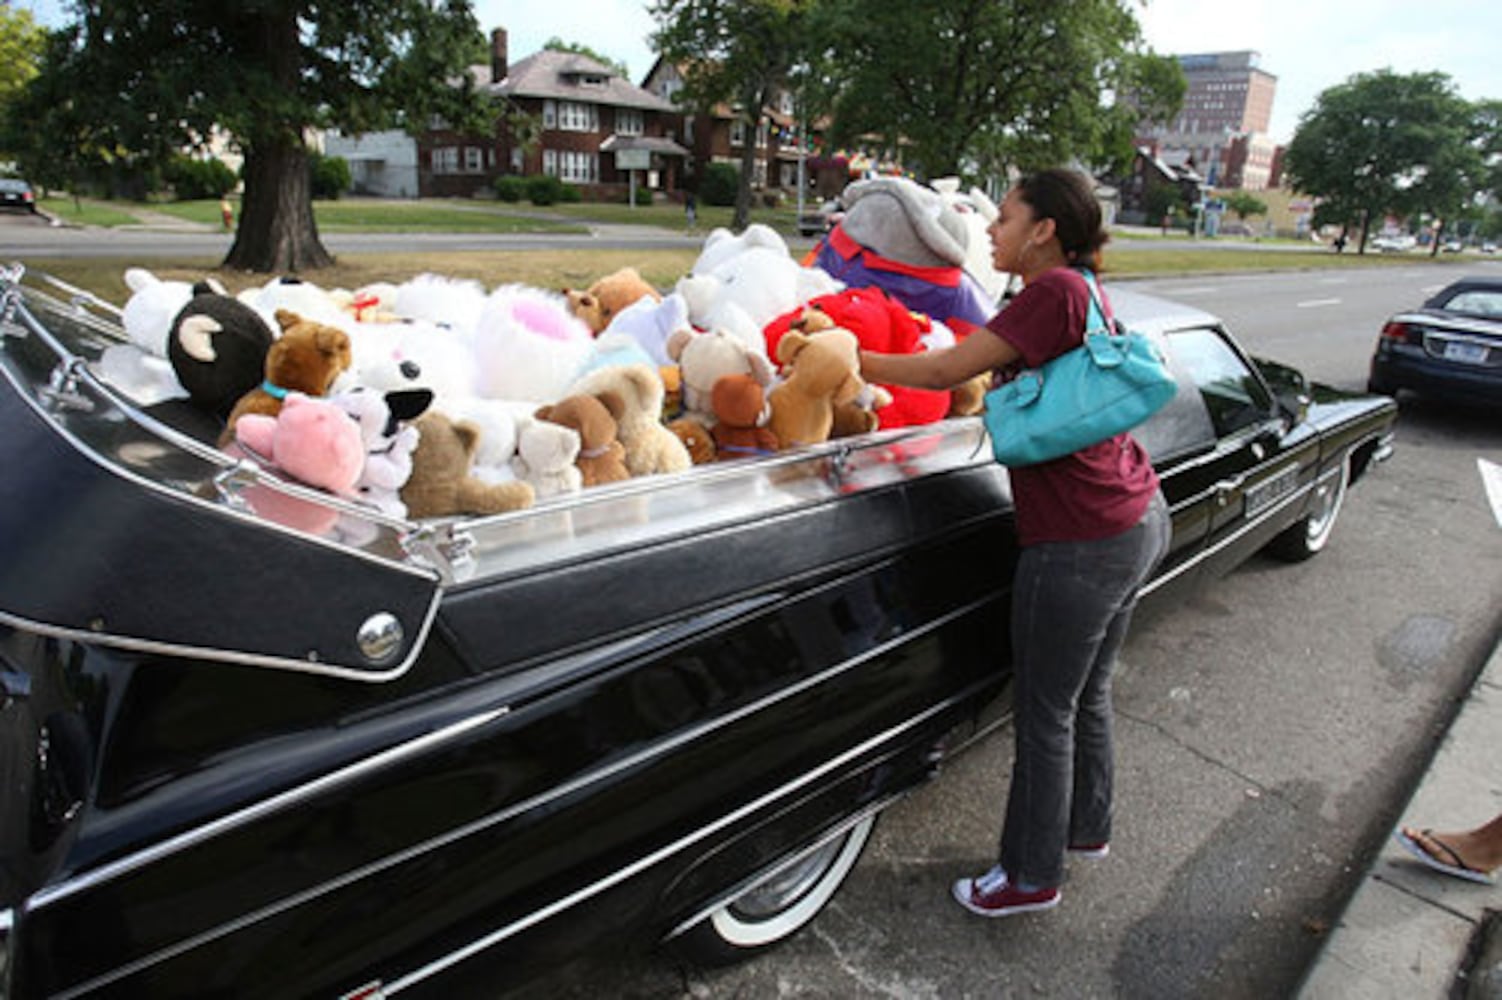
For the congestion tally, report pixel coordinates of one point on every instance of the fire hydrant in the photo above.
(227, 213)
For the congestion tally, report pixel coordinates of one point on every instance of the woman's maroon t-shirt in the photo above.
(1098, 491)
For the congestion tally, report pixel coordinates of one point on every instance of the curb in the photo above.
(1408, 932)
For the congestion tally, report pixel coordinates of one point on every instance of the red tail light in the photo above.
(1402, 331)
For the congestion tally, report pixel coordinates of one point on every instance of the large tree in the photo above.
(22, 43)
(143, 80)
(735, 52)
(1384, 143)
(979, 86)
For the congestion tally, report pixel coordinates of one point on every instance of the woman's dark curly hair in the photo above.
(1068, 198)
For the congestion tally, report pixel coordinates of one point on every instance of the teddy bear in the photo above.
(650, 447)
(650, 323)
(601, 302)
(741, 414)
(217, 346)
(545, 454)
(441, 483)
(883, 324)
(451, 303)
(900, 236)
(704, 357)
(696, 437)
(294, 295)
(141, 368)
(527, 345)
(601, 458)
(820, 371)
(384, 420)
(311, 440)
(306, 358)
(739, 284)
(977, 211)
(373, 303)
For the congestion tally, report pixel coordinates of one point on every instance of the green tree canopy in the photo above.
(1387, 143)
(22, 43)
(139, 80)
(1245, 205)
(739, 52)
(992, 84)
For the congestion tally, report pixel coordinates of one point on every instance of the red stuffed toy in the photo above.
(880, 323)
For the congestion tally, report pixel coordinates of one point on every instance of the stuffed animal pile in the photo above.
(465, 402)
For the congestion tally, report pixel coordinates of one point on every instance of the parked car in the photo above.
(1488, 247)
(820, 220)
(243, 755)
(1394, 243)
(1452, 246)
(1449, 348)
(16, 193)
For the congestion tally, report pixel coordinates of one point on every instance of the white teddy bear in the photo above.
(528, 346)
(141, 369)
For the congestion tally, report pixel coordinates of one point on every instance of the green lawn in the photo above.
(87, 211)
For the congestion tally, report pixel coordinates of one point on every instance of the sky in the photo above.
(1308, 45)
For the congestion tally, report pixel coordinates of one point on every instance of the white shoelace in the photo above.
(992, 881)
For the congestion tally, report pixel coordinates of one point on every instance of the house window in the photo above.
(549, 114)
(576, 117)
(688, 129)
(474, 160)
(761, 135)
(785, 103)
(737, 133)
(759, 173)
(446, 160)
(550, 162)
(628, 122)
(580, 168)
(518, 160)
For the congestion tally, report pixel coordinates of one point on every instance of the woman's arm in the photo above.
(982, 351)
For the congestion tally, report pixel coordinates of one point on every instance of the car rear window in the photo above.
(1475, 302)
(6, 184)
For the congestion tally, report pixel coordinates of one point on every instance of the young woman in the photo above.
(1092, 525)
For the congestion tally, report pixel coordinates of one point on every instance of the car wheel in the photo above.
(1309, 534)
(780, 902)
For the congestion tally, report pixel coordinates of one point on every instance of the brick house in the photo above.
(720, 135)
(590, 128)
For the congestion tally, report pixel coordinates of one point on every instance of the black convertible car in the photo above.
(241, 759)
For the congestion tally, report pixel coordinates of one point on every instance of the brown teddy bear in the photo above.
(697, 439)
(650, 447)
(821, 371)
(441, 483)
(306, 358)
(602, 458)
(740, 406)
(599, 303)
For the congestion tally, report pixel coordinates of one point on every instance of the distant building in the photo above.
(382, 164)
(1224, 121)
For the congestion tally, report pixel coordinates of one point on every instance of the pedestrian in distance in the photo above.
(1473, 855)
(1092, 525)
(690, 209)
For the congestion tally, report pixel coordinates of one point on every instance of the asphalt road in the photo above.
(1269, 730)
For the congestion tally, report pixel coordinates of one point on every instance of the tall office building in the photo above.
(1224, 122)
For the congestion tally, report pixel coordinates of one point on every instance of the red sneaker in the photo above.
(992, 895)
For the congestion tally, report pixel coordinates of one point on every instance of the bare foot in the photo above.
(1471, 850)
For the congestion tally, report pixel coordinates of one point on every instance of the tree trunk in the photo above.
(742, 217)
(277, 232)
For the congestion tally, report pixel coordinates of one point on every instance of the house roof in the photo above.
(569, 76)
(651, 143)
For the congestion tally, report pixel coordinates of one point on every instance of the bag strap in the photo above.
(1095, 318)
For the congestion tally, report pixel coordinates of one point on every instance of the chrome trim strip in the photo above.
(276, 803)
(229, 656)
(647, 861)
(458, 833)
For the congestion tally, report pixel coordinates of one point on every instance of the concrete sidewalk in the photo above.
(1411, 932)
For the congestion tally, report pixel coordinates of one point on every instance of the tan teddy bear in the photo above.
(602, 458)
(441, 482)
(306, 358)
(601, 302)
(703, 358)
(820, 372)
(650, 447)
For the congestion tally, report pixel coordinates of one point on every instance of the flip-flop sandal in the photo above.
(1457, 866)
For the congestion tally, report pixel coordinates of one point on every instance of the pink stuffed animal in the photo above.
(312, 440)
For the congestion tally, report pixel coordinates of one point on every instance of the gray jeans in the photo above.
(1071, 604)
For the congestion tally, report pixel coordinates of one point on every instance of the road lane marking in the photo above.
(1333, 281)
(1314, 303)
(1204, 290)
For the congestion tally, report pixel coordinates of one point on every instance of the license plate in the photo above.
(1471, 354)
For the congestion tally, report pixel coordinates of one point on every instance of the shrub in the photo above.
(510, 187)
(719, 184)
(330, 175)
(545, 190)
(193, 180)
(643, 196)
